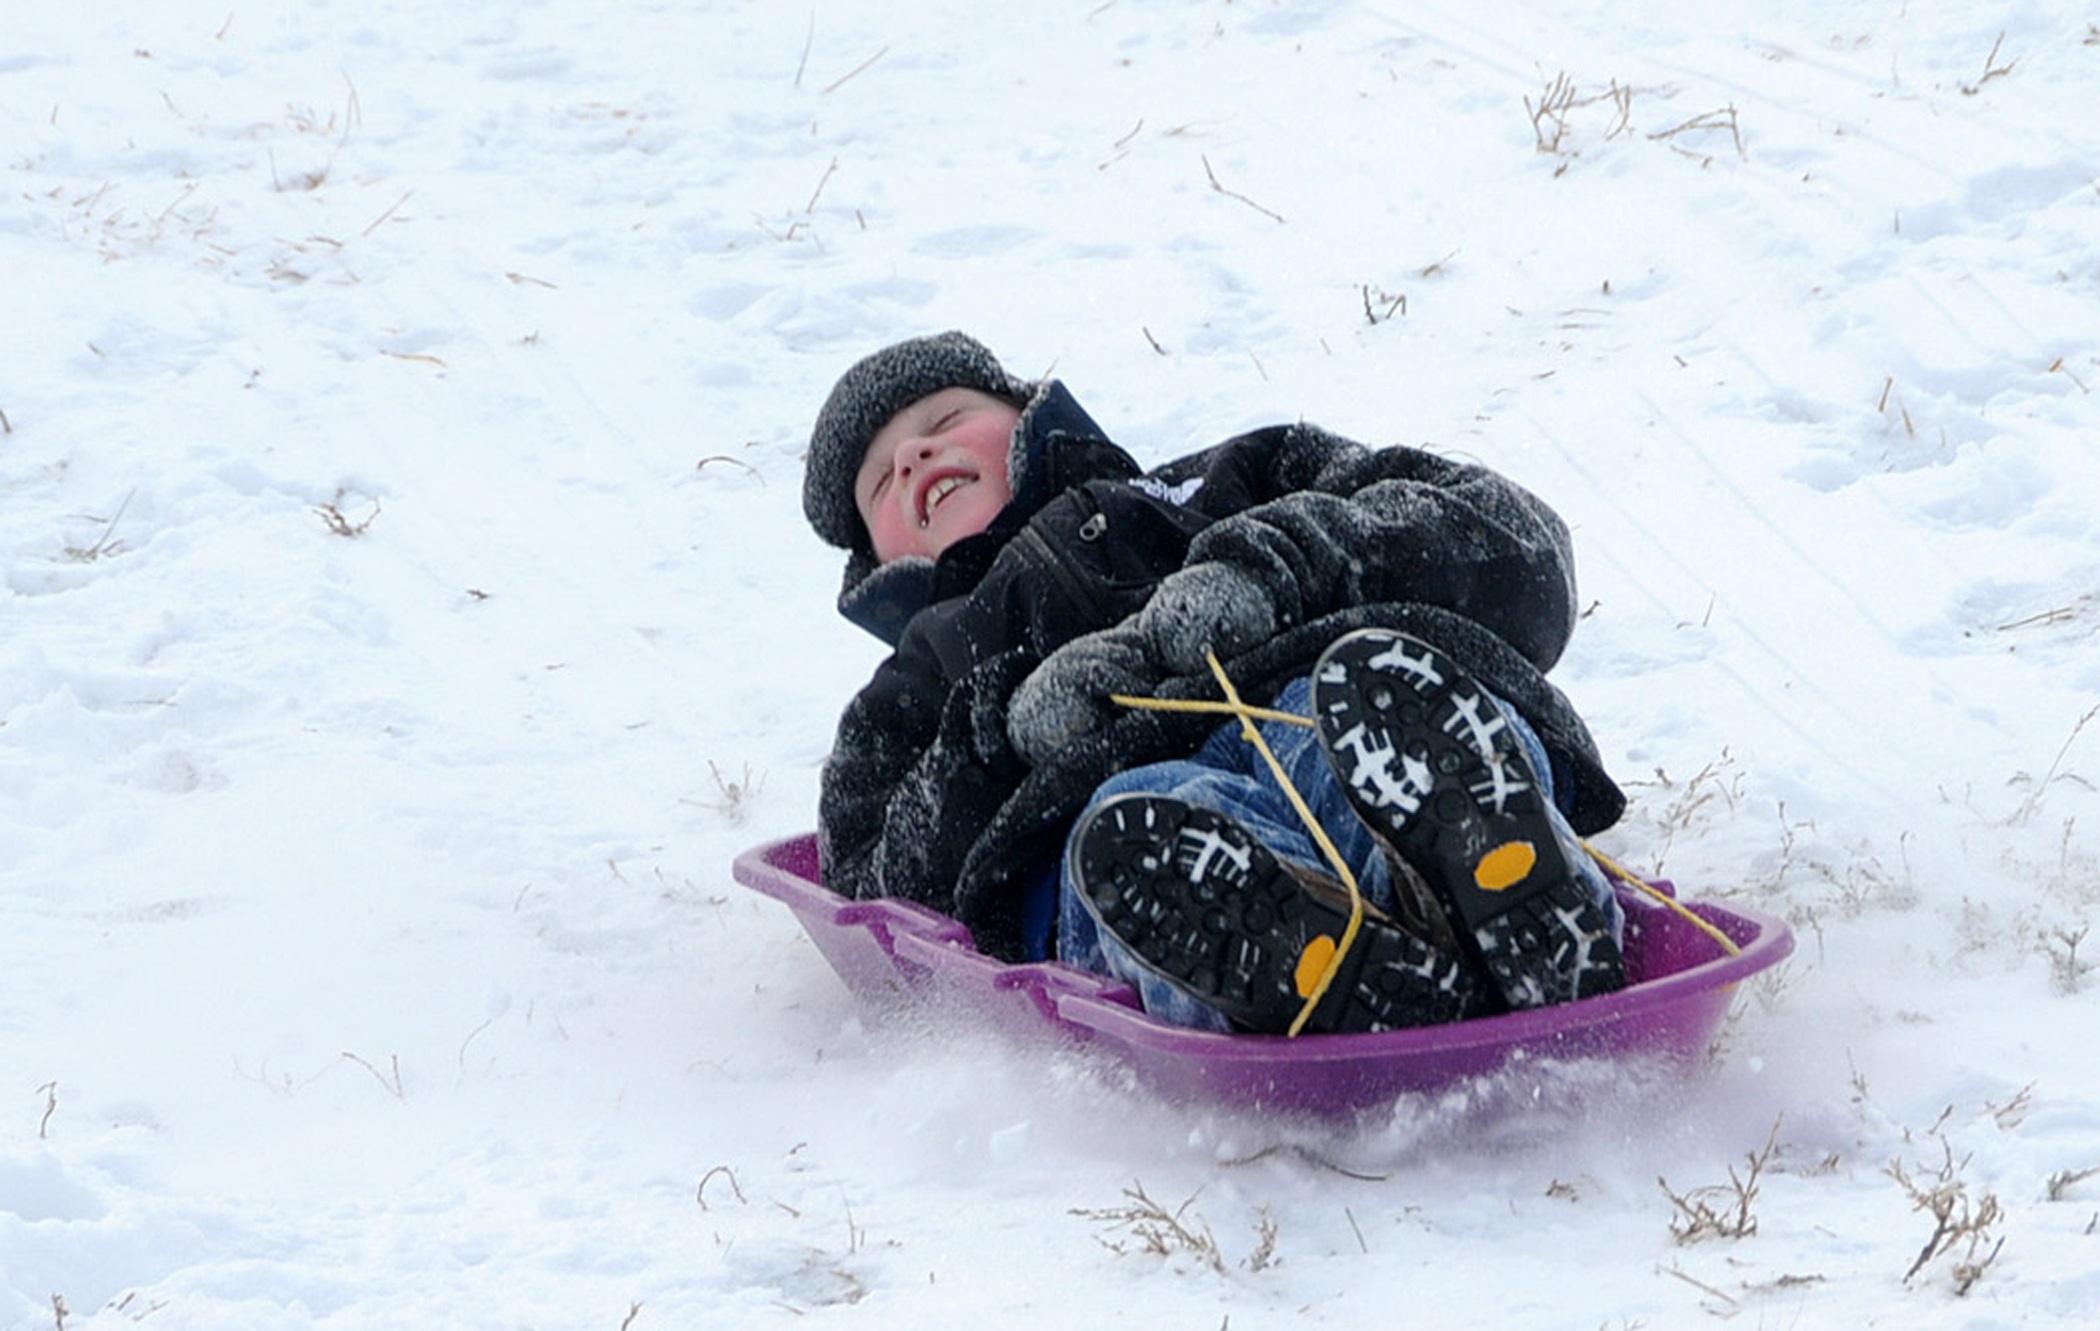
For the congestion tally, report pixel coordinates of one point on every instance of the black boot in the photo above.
(1203, 904)
(1432, 766)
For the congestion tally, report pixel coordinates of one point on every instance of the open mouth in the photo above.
(936, 492)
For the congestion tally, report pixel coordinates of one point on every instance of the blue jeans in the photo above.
(1229, 775)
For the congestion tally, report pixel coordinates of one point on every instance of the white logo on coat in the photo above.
(1177, 495)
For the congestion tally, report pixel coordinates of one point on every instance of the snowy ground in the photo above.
(405, 616)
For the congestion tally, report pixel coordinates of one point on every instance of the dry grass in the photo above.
(343, 525)
(1145, 1226)
(1555, 110)
(1561, 98)
(1215, 185)
(1154, 1229)
(104, 544)
(2063, 1180)
(2056, 772)
(733, 794)
(1961, 1225)
(1991, 69)
(1721, 1210)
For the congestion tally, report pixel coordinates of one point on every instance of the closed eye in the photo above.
(875, 488)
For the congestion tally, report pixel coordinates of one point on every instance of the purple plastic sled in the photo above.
(897, 951)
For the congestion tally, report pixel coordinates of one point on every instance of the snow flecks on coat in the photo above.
(958, 768)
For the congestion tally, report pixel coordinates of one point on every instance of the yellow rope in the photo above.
(1640, 884)
(1205, 705)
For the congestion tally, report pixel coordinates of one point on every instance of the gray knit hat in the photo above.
(862, 402)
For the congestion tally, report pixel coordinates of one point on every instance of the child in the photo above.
(1027, 572)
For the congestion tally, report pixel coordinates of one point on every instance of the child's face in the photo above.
(936, 472)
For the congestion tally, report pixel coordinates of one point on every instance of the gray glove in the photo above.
(1067, 696)
(1209, 606)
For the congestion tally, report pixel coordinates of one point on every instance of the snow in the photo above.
(407, 616)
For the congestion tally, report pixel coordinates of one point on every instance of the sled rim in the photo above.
(894, 950)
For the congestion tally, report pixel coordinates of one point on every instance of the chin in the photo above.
(962, 526)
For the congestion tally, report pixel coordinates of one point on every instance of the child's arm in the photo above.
(1328, 524)
(922, 760)
(912, 778)
(1311, 524)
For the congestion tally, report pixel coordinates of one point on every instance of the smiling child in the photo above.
(1028, 573)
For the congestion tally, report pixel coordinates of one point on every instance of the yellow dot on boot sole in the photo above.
(1313, 963)
(1505, 866)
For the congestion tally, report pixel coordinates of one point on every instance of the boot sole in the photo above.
(1206, 906)
(1431, 765)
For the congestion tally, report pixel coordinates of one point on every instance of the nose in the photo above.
(912, 454)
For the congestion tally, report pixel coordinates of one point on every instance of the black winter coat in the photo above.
(925, 798)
